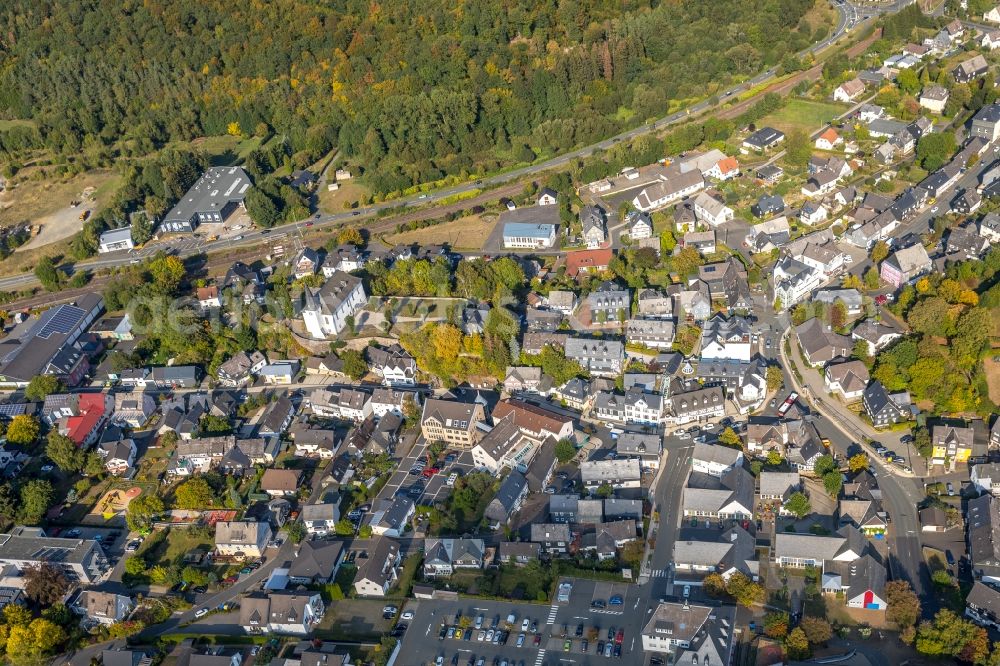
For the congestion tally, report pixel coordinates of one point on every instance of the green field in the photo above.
(803, 114)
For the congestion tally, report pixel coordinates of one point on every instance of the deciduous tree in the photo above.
(23, 429)
(45, 583)
(799, 505)
(41, 387)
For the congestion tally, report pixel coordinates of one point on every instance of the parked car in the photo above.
(201, 612)
(951, 489)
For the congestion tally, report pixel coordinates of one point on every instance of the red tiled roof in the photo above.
(91, 407)
(728, 164)
(586, 260)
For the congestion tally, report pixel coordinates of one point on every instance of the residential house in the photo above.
(971, 69)
(819, 344)
(728, 497)
(518, 553)
(305, 263)
(715, 460)
(964, 242)
(547, 197)
(951, 443)
(393, 364)
(701, 241)
(281, 482)
(778, 486)
(849, 379)
(990, 39)
(81, 560)
(616, 473)
(452, 422)
(320, 519)
(608, 537)
(240, 368)
(711, 210)
(536, 421)
(594, 223)
(989, 227)
(281, 612)
(849, 90)
(696, 405)
(655, 304)
(241, 539)
(561, 301)
(587, 261)
(905, 265)
(380, 570)
(654, 333)
(881, 408)
(762, 139)
(597, 356)
(346, 404)
(609, 303)
(828, 139)
(104, 607)
(691, 633)
(513, 489)
(982, 519)
(670, 189)
(876, 334)
(726, 338)
(986, 123)
(982, 605)
(133, 409)
(279, 372)
(208, 297)
(504, 446)
(316, 562)
(644, 447)
(312, 440)
(768, 204)
(934, 97)
(443, 556)
(390, 517)
(551, 537)
(733, 552)
(275, 418)
(118, 453)
(327, 311)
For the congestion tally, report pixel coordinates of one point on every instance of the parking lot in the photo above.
(554, 633)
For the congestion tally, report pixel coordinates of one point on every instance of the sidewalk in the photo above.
(813, 388)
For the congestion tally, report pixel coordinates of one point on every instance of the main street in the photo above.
(849, 18)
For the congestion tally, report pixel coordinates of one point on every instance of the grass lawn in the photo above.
(465, 233)
(350, 192)
(10, 124)
(803, 114)
(169, 546)
(406, 575)
(222, 150)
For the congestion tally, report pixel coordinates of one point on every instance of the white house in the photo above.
(993, 15)
(711, 210)
(115, 240)
(714, 459)
(281, 612)
(326, 310)
(528, 236)
(849, 90)
(828, 139)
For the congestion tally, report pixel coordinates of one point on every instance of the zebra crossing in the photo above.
(540, 658)
(553, 611)
(659, 573)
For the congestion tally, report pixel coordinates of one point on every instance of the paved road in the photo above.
(847, 19)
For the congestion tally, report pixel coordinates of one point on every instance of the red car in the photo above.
(430, 471)
(620, 636)
(231, 579)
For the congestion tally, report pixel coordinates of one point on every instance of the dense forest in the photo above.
(411, 91)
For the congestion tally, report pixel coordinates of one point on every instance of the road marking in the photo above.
(540, 658)
(659, 573)
(553, 611)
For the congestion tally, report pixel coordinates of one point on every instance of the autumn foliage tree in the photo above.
(45, 583)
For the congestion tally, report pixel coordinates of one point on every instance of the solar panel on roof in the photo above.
(62, 321)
